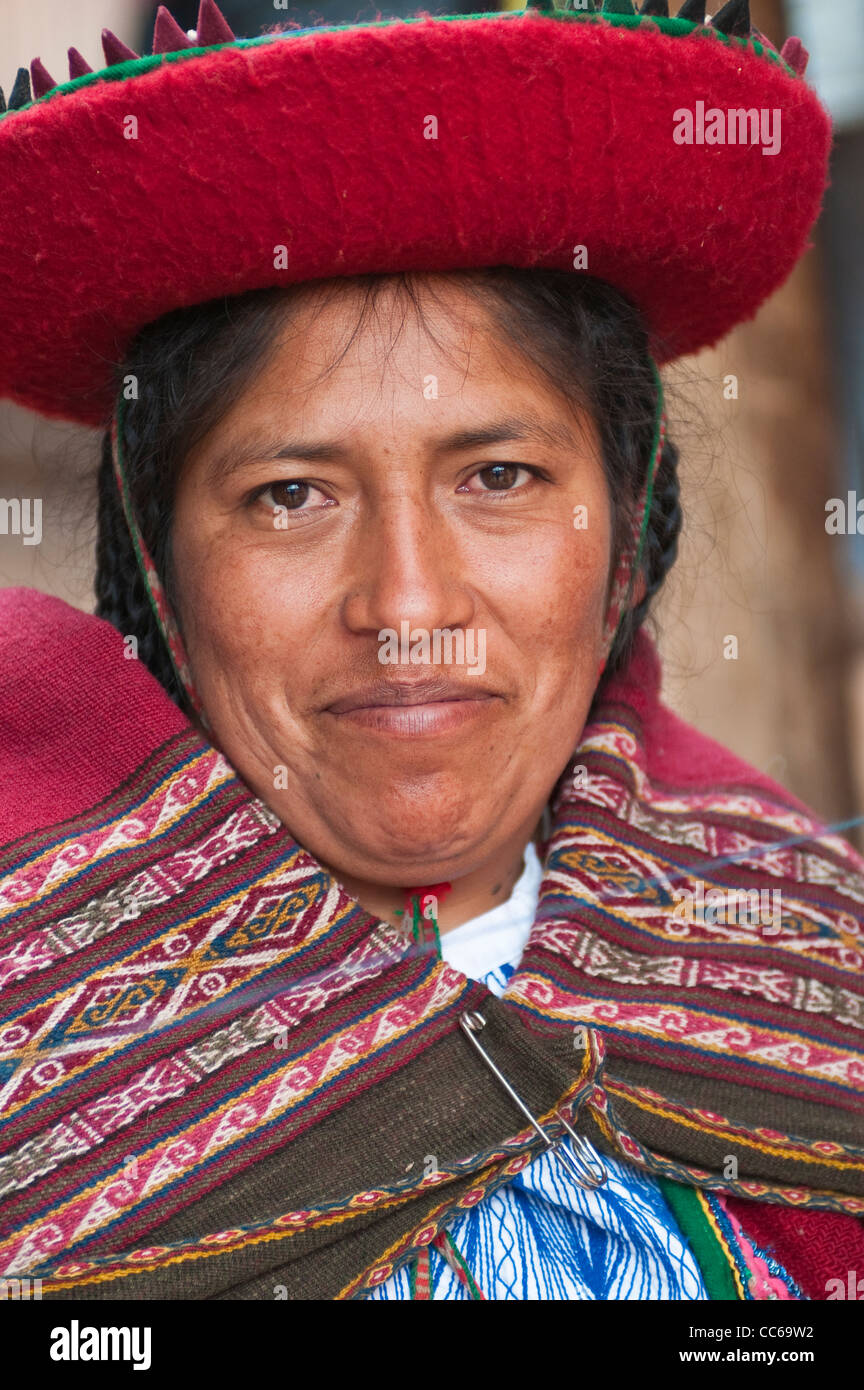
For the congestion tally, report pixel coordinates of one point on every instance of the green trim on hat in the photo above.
(674, 27)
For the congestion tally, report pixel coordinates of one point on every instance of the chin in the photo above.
(426, 839)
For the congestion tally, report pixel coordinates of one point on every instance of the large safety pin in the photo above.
(585, 1166)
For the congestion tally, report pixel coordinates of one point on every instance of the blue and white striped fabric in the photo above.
(544, 1237)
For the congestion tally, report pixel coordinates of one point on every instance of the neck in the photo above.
(470, 895)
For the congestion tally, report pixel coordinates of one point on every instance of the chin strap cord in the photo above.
(421, 1274)
(421, 911)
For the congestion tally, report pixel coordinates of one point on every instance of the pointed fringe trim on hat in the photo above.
(170, 42)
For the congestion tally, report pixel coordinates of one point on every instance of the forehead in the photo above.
(354, 350)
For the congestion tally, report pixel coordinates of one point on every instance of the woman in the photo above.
(385, 496)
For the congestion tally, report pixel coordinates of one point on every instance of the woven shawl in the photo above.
(220, 1077)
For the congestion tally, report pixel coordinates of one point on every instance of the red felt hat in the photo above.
(221, 165)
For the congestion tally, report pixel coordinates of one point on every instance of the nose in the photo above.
(408, 566)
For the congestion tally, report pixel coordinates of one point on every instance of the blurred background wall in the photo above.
(758, 466)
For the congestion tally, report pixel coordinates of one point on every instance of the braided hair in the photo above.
(184, 372)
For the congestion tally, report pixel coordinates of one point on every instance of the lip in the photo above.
(415, 708)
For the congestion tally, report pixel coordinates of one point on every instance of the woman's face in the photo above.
(426, 484)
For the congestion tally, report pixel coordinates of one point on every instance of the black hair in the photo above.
(189, 367)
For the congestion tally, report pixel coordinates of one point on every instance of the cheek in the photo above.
(257, 625)
(225, 604)
(554, 599)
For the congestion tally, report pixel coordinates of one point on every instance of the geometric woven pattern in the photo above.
(186, 991)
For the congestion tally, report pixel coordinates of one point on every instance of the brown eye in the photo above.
(290, 495)
(503, 478)
(499, 477)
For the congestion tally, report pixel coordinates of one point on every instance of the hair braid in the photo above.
(659, 551)
(121, 594)
(187, 367)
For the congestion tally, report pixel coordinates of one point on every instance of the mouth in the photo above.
(412, 709)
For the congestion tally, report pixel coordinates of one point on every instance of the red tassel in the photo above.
(212, 26)
(78, 66)
(115, 50)
(437, 890)
(168, 37)
(42, 80)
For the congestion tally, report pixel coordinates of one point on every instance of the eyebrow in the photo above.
(533, 431)
(504, 431)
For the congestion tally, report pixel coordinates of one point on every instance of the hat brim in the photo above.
(553, 133)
